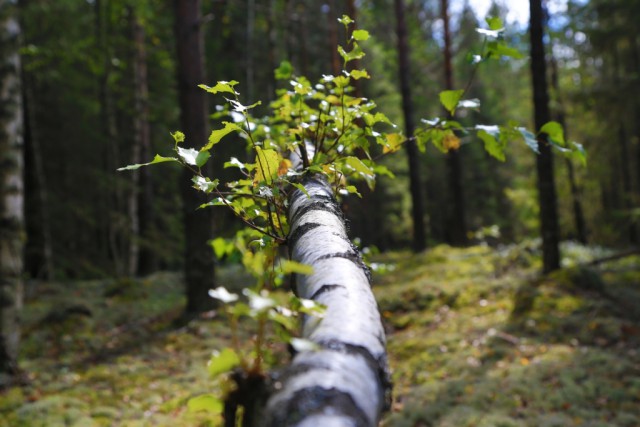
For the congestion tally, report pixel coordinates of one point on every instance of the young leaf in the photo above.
(205, 402)
(495, 23)
(554, 131)
(204, 184)
(579, 153)
(268, 162)
(492, 144)
(289, 267)
(178, 137)
(345, 20)
(218, 134)
(156, 159)
(222, 361)
(358, 166)
(450, 99)
(392, 142)
(359, 74)
(221, 86)
(202, 157)
(284, 71)
(360, 35)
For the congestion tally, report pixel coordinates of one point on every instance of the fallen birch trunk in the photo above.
(345, 381)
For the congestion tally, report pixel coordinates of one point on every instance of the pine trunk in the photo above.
(544, 161)
(419, 235)
(11, 193)
(198, 223)
(456, 223)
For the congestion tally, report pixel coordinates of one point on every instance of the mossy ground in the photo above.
(475, 338)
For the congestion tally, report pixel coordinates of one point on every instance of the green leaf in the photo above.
(355, 53)
(284, 71)
(450, 98)
(358, 166)
(492, 144)
(579, 153)
(267, 162)
(221, 86)
(555, 132)
(345, 20)
(289, 267)
(156, 159)
(218, 134)
(204, 184)
(529, 139)
(207, 403)
(178, 137)
(360, 35)
(495, 23)
(222, 362)
(359, 74)
(352, 189)
(392, 142)
(501, 49)
(202, 158)
(221, 247)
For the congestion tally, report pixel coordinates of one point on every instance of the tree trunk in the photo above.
(141, 256)
(544, 161)
(38, 253)
(456, 223)
(419, 235)
(346, 381)
(578, 215)
(198, 223)
(11, 193)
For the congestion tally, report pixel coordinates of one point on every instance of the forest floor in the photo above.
(475, 336)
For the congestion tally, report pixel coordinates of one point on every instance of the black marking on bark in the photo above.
(317, 400)
(299, 232)
(376, 364)
(354, 256)
(324, 289)
(318, 203)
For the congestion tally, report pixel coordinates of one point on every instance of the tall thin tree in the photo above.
(419, 235)
(456, 222)
(11, 192)
(198, 223)
(142, 259)
(544, 161)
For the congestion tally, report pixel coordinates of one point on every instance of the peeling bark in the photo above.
(345, 382)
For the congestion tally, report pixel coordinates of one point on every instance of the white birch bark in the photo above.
(345, 382)
(11, 192)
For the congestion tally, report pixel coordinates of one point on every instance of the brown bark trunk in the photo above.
(141, 255)
(198, 223)
(456, 223)
(578, 216)
(419, 236)
(544, 161)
